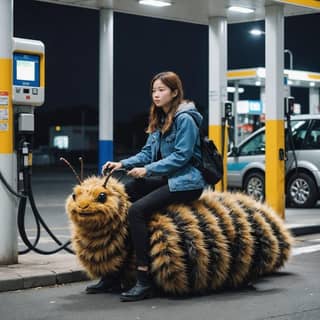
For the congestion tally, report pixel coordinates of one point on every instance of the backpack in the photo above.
(212, 161)
(211, 165)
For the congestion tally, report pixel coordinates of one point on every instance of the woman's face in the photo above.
(162, 95)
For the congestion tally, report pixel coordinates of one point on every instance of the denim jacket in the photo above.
(177, 146)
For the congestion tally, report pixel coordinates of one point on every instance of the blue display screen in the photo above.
(26, 70)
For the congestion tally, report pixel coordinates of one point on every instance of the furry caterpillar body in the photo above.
(221, 240)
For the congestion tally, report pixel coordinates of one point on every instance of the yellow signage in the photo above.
(313, 76)
(6, 122)
(249, 73)
(303, 3)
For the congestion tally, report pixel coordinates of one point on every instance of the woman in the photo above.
(162, 171)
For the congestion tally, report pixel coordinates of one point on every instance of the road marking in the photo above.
(49, 205)
(52, 229)
(309, 249)
(44, 240)
(57, 235)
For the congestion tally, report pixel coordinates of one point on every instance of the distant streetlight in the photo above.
(291, 57)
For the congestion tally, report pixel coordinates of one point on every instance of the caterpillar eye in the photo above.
(74, 197)
(102, 197)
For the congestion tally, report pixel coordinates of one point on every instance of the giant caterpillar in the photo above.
(222, 240)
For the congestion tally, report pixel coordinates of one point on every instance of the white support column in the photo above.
(217, 81)
(106, 87)
(8, 216)
(263, 98)
(235, 106)
(314, 100)
(275, 164)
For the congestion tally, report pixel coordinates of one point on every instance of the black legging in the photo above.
(148, 195)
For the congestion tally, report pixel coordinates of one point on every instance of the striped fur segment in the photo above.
(285, 240)
(216, 244)
(241, 245)
(192, 243)
(221, 240)
(101, 255)
(167, 258)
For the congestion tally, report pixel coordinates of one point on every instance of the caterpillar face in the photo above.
(92, 204)
(98, 215)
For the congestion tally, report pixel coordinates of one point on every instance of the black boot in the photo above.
(142, 290)
(106, 284)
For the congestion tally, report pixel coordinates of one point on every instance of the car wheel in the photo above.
(254, 185)
(302, 191)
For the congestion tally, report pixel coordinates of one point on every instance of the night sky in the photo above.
(143, 46)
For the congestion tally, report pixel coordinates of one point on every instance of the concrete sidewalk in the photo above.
(34, 270)
(303, 221)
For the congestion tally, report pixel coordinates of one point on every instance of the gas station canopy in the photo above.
(198, 11)
(257, 76)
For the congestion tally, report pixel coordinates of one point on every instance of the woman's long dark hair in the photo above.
(173, 81)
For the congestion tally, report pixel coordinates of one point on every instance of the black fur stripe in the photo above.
(159, 266)
(262, 255)
(163, 239)
(108, 239)
(283, 244)
(236, 245)
(187, 245)
(210, 242)
(240, 244)
(219, 218)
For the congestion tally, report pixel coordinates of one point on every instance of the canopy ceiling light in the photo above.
(155, 3)
(233, 90)
(240, 9)
(256, 32)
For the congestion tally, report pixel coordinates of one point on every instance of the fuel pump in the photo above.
(229, 120)
(227, 115)
(28, 90)
(27, 94)
(226, 122)
(289, 106)
(289, 110)
(228, 110)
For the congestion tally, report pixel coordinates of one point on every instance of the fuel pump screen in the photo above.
(26, 70)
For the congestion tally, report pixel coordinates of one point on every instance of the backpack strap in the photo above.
(194, 160)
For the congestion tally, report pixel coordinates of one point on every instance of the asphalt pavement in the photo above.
(293, 293)
(36, 270)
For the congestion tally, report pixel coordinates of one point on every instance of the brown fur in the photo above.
(221, 240)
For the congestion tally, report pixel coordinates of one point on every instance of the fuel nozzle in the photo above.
(228, 110)
(26, 154)
(24, 163)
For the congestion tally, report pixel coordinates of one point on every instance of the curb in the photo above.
(304, 230)
(49, 278)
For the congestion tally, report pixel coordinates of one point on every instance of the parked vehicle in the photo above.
(246, 163)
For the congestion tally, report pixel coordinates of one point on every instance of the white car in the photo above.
(246, 163)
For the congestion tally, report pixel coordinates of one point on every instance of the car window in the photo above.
(313, 137)
(299, 129)
(254, 146)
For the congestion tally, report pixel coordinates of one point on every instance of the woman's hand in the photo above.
(137, 172)
(111, 165)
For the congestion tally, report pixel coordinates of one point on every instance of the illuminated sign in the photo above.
(26, 70)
